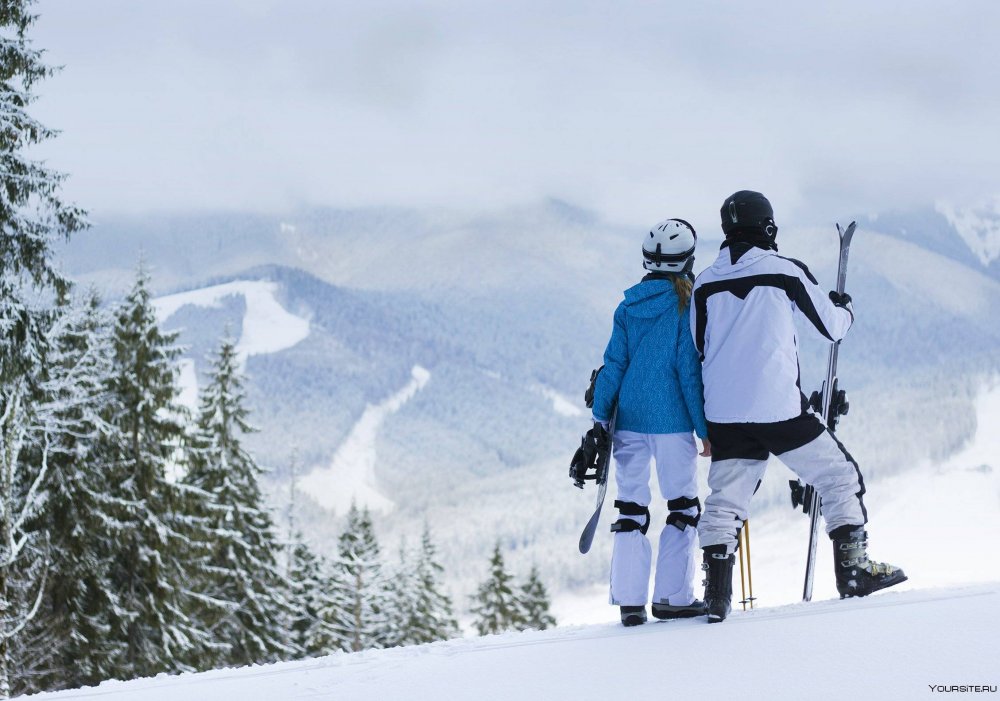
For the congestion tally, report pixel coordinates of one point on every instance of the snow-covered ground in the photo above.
(350, 476)
(935, 521)
(893, 645)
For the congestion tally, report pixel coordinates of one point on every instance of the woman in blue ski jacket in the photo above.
(652, 374)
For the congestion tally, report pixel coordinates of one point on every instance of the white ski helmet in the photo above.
(669, 247)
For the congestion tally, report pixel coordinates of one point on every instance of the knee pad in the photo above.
(626, 525)
(680, 520)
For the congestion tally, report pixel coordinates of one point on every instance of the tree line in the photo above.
(141, 542)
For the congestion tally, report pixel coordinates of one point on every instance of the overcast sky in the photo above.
(638, 110)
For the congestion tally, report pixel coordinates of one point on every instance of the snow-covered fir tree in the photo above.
(496, 605)
(162, 538)
(360, 608)
(535, 603)
(430, 615)
(401, 587)
(32, 217)
(242, 564)
(312, 585)
(313, 601)
(78, 515)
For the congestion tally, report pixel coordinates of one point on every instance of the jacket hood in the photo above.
(650, 298)
(724, 263)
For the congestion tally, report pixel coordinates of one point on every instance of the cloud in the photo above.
(639, 110)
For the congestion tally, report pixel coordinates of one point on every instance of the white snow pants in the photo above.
(675, 457)
(739, 457)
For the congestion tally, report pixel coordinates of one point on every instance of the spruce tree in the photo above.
(401, 587)
(431, 616)
(312, 585)
(32, 217)
(78, 514)
(314, 633)
(496, 605)
(535, 603)
(242, 565)
(360, 607)
(161, 533)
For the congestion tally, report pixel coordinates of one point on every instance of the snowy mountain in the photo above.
(431, 364)
(979, 227)
(968, 235)
(895, 645)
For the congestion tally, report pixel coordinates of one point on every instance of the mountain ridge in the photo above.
(530, 314)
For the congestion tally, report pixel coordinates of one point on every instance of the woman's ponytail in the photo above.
(682, 286)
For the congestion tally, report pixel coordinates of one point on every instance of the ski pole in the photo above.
(746, 534)
(746, 576)
(743, 591)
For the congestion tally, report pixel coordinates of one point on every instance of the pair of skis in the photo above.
(831, 402)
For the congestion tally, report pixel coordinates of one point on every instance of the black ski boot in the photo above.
(666, 612)
(718, 582)
(856, 574)
(633, 615)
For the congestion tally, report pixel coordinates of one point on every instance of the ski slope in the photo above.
(267, 327)
(888, 646)
(350, 476)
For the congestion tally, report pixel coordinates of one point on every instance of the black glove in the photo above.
(588, 396)
(841, 299)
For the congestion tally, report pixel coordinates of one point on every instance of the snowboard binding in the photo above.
(590, 460)
(801, 495)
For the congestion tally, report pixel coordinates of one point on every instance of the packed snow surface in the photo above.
(267, 327)
(350, 476)
(887, 646)
(904, 528)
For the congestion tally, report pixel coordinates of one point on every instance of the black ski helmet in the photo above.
(750, 212)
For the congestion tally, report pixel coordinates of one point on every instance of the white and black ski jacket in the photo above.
(742, 322)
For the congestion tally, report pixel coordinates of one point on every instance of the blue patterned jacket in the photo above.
(651, 366)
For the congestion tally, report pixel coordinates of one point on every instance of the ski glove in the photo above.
(842, 299)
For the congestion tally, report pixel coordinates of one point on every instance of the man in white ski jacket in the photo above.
(743, 322)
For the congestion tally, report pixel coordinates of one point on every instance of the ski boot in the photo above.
(633, 615)
(666, 612)
(718, 582)
(856, 574)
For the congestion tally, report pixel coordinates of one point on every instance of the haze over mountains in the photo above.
(502, 316)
